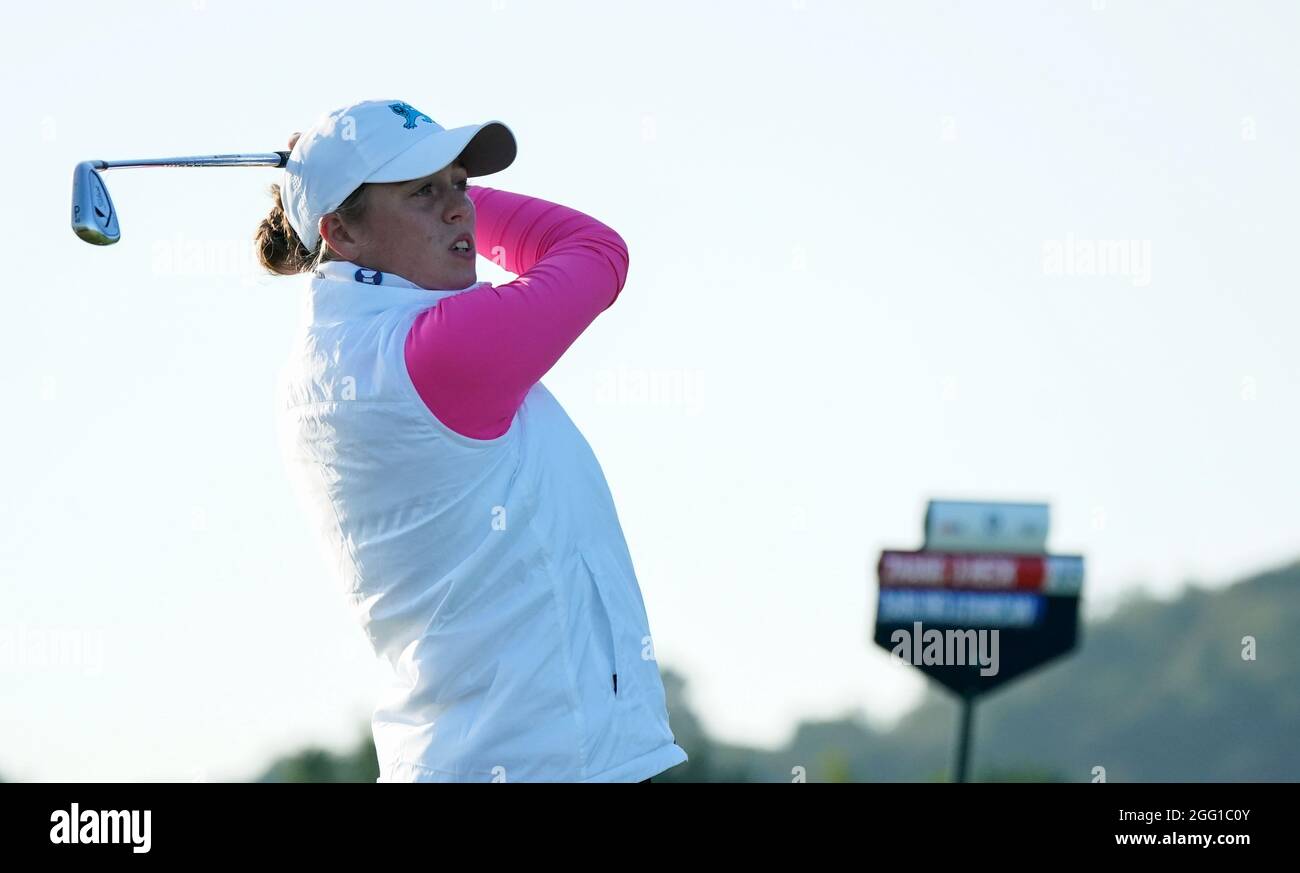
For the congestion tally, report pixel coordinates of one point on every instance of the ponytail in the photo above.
(280, 250)
(278, 246)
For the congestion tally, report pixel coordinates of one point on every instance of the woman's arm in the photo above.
(473, 356)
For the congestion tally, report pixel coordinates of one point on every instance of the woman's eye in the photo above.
(429, 187)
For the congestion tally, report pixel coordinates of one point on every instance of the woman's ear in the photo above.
(339, 237)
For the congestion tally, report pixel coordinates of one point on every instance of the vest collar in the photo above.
(339, 290)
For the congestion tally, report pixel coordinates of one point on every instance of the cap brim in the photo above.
(483, 148)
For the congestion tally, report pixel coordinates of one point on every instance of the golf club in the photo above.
(94, 218)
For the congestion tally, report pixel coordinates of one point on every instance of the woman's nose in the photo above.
(460, 208)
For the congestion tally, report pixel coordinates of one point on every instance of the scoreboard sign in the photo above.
(974, 620)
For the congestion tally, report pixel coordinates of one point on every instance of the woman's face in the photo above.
(409, 228)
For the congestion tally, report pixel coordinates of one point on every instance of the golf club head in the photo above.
(94, 217)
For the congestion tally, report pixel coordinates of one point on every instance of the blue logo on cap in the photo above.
(410, 113)
(369, 277)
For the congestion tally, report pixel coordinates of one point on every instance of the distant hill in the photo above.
(1157, 692)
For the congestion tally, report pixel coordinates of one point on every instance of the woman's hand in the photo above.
(293, 139)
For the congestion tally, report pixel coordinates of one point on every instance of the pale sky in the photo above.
(845, 223)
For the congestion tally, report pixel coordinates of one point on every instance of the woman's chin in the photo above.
(470, 276)
(455, 277)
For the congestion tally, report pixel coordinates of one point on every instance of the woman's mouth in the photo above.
(463, 246)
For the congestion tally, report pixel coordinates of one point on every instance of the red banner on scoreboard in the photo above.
(1045, 574)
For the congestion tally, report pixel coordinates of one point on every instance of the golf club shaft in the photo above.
(264, 159)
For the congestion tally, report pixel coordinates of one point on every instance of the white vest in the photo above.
(492, 575)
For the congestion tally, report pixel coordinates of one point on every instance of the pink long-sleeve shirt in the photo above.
(473, 356)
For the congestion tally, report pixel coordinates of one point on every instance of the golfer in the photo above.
(472, 529)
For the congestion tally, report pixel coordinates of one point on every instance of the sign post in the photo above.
(963, 736)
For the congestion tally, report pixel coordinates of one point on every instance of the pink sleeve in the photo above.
(473, 356)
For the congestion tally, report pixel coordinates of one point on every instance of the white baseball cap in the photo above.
(379, 141)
